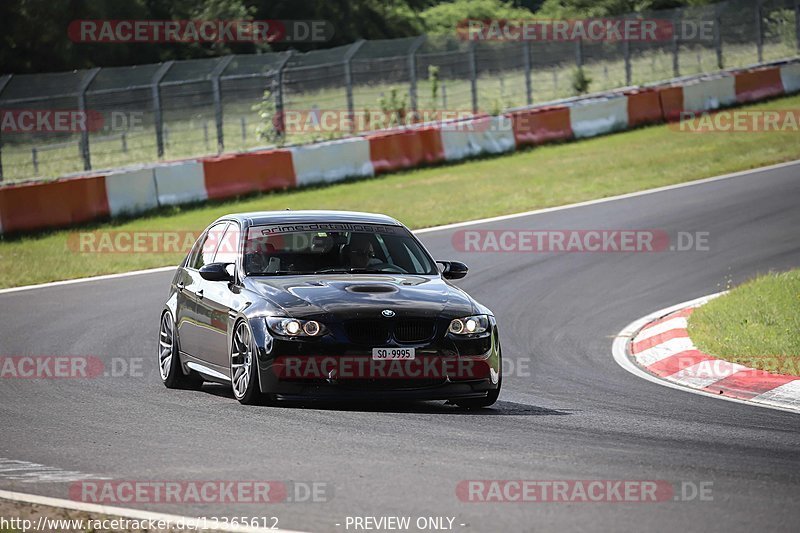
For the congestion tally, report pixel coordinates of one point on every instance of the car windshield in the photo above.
(334, 248)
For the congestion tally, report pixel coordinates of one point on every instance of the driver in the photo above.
(361, 251)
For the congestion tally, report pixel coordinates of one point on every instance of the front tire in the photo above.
(491, 396)
(244, 366)
(169, 361)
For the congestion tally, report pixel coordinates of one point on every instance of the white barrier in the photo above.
(708, 94)
(790, 77)
(598, 116)
(331, 161)
(180, 183)
(132, 191)
(483, 135)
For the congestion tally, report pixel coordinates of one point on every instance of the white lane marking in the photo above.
(611, 198)
(752, 171)
(662, 351)
(619, 349)
(85, 280)
(27, 472)
(706, 373)
(788, 393)
(177, 521)
(668, 325)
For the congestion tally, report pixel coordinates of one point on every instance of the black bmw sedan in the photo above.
(292, 305)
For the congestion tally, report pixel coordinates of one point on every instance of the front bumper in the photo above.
(328, 368)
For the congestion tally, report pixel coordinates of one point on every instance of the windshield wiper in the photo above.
(279, 273)
(353, 271)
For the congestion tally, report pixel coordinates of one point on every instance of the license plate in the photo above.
(383, 354)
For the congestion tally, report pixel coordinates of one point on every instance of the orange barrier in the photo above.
(753, 85)
(233, 175)
(405, 149)
(542, 125)
(671, 102)
(644, 107)
(53, 204)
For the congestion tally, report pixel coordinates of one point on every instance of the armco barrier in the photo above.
(406, 148)
(180, 183)
(234, 175)
(709, 93)
(53, 204)
(790, 77)
(597, 116)
(131, 191)
(331, 161)
(644, 107)
(671, 102)
(541, 125)
(754, 85)
(476, 136)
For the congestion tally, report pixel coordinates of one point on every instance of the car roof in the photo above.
(308, 216)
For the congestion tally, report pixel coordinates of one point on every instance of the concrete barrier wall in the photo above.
(790, 78)
(131, 192)
(708, 94)
(333, 161)
(598, 116)
(180, 183)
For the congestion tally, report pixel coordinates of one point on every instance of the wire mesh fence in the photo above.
(202, 107)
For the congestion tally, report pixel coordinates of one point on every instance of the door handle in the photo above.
(180, 285)
(200, 294)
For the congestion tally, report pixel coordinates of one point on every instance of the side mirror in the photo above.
(453, 269)
(217, 272)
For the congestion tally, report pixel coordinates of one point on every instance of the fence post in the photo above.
(217, 93)
(277, 81)
(87, 80)
(3, 82)
(348, 80)
(797, 22)
(718, 35)
(473, 77)
(759, 31)
(676, 43)
(412, 73)
(626, 51)
(526, 58)
(158, 119)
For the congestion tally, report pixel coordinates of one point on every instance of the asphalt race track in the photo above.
(571, 414)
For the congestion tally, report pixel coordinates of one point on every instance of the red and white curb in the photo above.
(658, 348)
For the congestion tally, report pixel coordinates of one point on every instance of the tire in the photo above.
(169, 361)
(244, 367)
(489, 399)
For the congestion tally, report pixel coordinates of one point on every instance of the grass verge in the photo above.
(756, 324)
(545, 176)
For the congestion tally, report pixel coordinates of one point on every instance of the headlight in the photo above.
(469, 325)
(292, 327)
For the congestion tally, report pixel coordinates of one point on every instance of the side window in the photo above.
(228, 249)
(208, 247)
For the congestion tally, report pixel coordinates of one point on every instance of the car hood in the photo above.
(360, 295)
